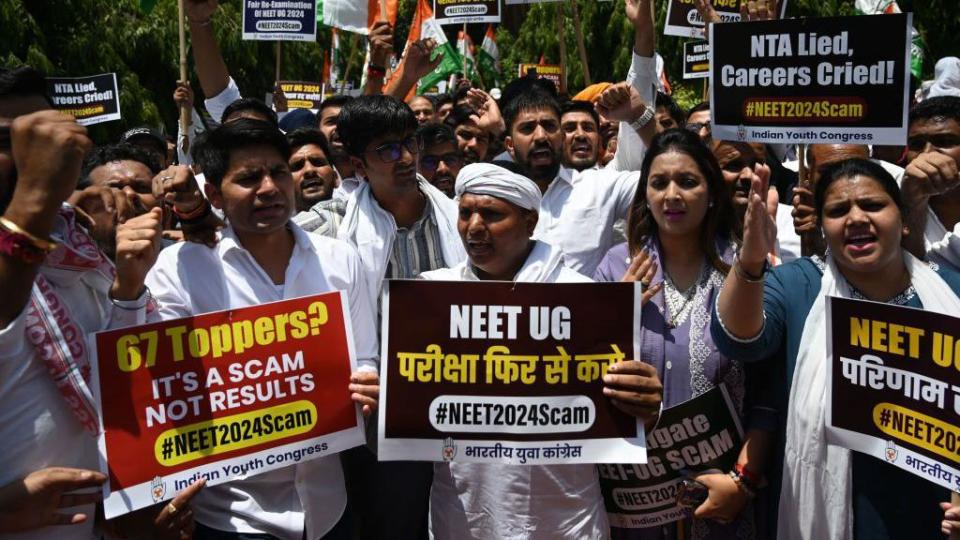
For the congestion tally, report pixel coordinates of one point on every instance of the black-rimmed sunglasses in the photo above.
(392, 151)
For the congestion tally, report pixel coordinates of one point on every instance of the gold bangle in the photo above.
(39, 243)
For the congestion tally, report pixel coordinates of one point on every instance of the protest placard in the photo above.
(498, 372)
(302, 94)
(519, 2)
(811, 80)
(91, 100)
(894, 386)
(223, 395)
(683, 19)
(696, 60)
(466, 11)
(272, 20)
(551, 72)
(698, 435)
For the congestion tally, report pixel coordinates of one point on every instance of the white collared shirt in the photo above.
(346, 187)
(578, 211)
(190, 279)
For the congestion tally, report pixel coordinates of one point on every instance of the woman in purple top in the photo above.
(681, 233)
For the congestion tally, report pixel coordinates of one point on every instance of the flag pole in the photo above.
(383, 17)
(563, 50)
(808, 244)
(350, 62)
(465, 74)
(581, 48)
(185, 115)
(276, 78)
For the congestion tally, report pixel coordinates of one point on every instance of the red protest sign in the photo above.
(240, 391)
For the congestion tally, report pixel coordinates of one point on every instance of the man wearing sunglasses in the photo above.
(440, 159)
(402, 226)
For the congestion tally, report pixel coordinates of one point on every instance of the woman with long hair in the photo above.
(681, 240)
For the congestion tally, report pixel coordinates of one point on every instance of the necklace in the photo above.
(679, 302)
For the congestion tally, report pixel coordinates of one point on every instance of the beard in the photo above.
(543, 171)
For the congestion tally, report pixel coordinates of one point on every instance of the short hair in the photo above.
(459, 115)
(304, 136)
(574, 105)
(23, 81)
(338, 100)
(936, 107)
(250, 104)
(534, 98)
(432, 134)
(702, 106)
(849, 168)
(461, 92)
(102, 155)
(365, 117)
(212, 153)
(429, 100)
(674, 110)
(441, 100)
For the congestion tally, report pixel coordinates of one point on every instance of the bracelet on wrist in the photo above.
(746, 276)
(19, 244)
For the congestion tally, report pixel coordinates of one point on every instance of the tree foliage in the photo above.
(85, 37)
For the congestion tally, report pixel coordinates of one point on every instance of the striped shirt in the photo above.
(416, 249)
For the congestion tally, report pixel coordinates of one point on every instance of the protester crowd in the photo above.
(735, 251)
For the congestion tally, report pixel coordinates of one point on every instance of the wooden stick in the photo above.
(383, 17)
(185, 116)
(465, 50)
(351, 61)
(808, 240)
(581, 48)
(563, 49)
(706, 89)
(276, 78)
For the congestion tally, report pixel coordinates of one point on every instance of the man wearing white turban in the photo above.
(498, 211)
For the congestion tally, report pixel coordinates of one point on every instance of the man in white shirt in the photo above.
(497, 215)
(56, 287)
(401, 226)
(263, 257)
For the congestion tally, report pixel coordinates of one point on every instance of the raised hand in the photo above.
(488, 115)
(138, 244)
(759, 229)
(200, 11)
(758, 10)
(930, 173)
(621, 102)
(643, 269)
(706, 11)
(417, 63)
(381, 43)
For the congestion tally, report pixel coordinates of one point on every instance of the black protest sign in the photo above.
(500, 372)
(894, 386)
(698, 435)
(824, 80)
(696, 60)
(280, 20)
(684, 20)
(466, 11)
(302, 94)
(91, 100)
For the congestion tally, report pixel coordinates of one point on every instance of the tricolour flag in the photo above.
(488, 58)
(355, 15)
(465, 48)
(425, 26)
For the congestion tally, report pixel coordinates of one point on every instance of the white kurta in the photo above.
(499, 502)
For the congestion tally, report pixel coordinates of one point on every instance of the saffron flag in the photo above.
(425, 26)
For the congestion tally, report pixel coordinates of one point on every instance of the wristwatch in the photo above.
(643, 120)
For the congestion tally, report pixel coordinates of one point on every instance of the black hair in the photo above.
(458, 115)
(433, 134)
(702, 106)
(442, 99)
(674, 110)
(338, 100)
(720, 221)
(461, 92)
(573, 105)
(428, 98)
(102, 155)
(521, 86)
(849, 168)
(23, 81)
(947, 107)
(511, 166)
(365, 117)
(534, 98)
(250, 104)
(213, 152)
(304, 136)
